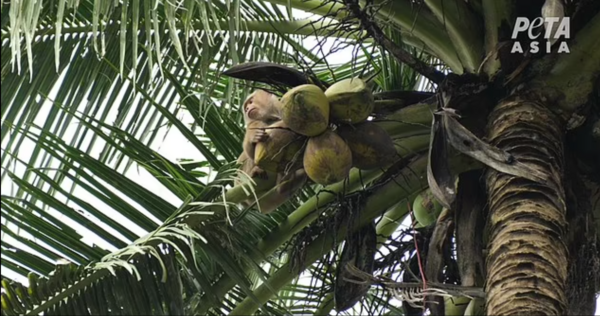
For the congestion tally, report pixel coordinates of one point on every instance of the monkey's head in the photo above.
(261, 106)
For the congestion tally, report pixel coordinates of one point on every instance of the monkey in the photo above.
(262, 109)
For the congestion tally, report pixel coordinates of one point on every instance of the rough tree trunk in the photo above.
(527, 257)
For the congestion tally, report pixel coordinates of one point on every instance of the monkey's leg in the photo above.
(258, 172)
(289, 183)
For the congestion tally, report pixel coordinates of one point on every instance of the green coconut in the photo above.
(371, 146)
(475, 307)
(305, 110)
(455, 305)
(281, 151)
(350, 100)
(327, 158)
(426, 208)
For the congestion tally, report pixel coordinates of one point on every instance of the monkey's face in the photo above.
(261, 106)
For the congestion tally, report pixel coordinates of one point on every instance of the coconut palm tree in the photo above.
(501, 138)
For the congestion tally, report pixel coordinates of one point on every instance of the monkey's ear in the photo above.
(282, 77)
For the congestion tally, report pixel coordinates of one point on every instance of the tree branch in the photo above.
(398, 52)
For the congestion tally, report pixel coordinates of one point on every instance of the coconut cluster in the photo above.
(310, 113)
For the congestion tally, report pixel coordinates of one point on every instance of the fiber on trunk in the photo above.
(527, 257)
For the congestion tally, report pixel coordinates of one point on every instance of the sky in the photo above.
(170, 144)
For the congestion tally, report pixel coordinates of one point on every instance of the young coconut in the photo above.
(371, 145)
(305, 110)
(455, 305)
(281, 151)
(350, 100)
(476, 307)
(426, 208)
(327, 158)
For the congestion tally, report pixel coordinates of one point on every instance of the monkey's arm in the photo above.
(255, 133)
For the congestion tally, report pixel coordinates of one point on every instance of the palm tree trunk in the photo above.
(527, 256)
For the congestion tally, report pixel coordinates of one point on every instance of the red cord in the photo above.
(417, 246)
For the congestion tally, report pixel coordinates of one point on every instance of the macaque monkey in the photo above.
(261, 109)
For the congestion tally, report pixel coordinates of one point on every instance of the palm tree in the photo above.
(507, 142)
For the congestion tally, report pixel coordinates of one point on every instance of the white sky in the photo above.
(171, 145)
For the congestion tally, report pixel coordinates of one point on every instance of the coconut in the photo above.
(426, 208)
(371, 145)
(281, 151)
(327, 158)
(350, 100)
(305, 109)
(455, 305)
(476, 307)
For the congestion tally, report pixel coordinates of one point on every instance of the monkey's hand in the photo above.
(260, 135)
(258, 172)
